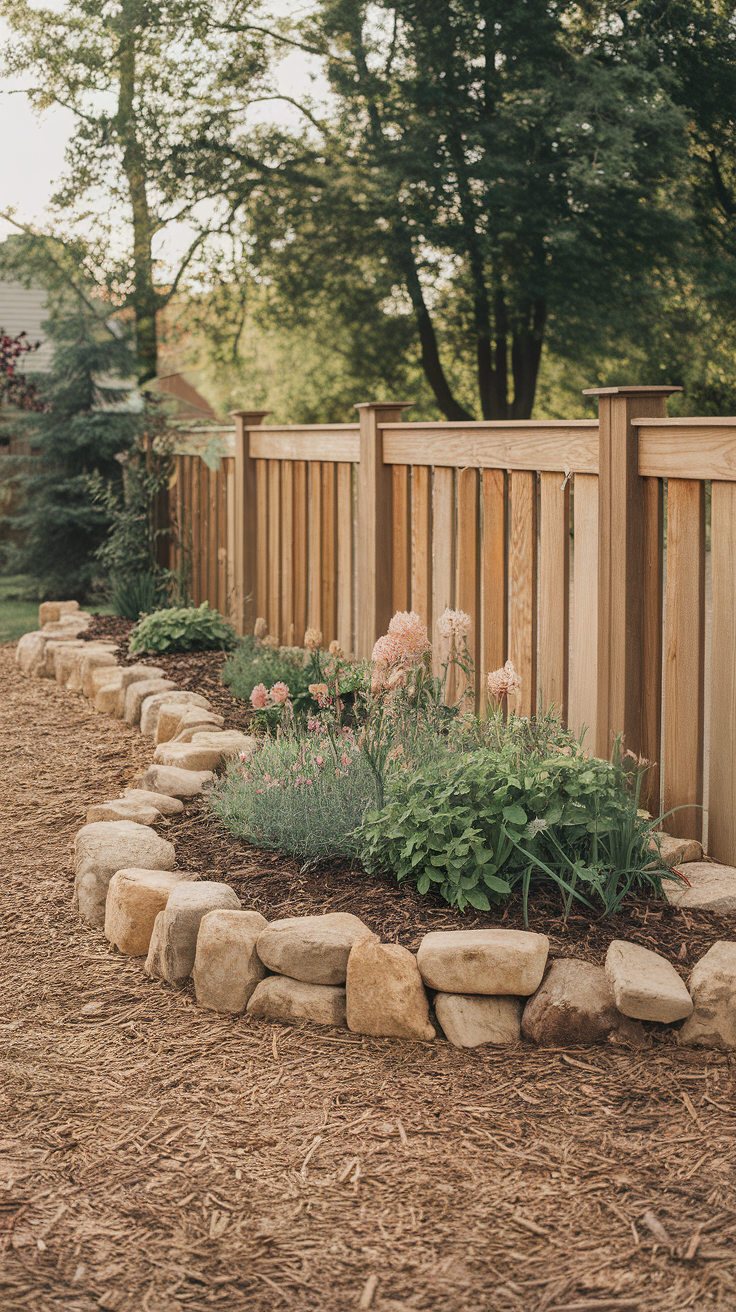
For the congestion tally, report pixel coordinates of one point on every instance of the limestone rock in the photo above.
(187, 756)
(48, 669)
(93, 661)
(134, 674)
(134, 899)
(575, 1005)
(152, 706)
(171, 717)
(50, 612)
(137, 692)
(68, 626)
(165, 805)
(101, 849)
(713, 989)
(187, 731)
(314, 949)
(174, 941)
(489, 961)
(227, 967)
(644, 985)
(65, 657)
(469, 1020)
(77, 657)
(385, 994)
(122, 809)
(103, 678)
(674, 851)
(106, 698)
(172, 782)
(279, 998)
(712, 887)
(29, 654)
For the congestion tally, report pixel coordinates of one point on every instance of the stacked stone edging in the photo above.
(475, 986)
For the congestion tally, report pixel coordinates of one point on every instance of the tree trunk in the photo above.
(431, 362)
(526, 353)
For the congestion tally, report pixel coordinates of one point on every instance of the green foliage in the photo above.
(182, 628)
(519, 806)
(133, 595)
(301, 794)
(252, 663)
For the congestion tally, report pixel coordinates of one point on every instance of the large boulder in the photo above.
(227, 967)
(134, 899)
(314, 949)
(137, 692)
(279, 998)
(490, 961)
(713, 989)
(103, 848)
(164, 805)
(50, 612)
(172, 782)
(385, 994)
(644, 985)
(93, 661)
(173, 946)
(469, 1020)
(575, 1005)
(172, 715)
(122, 809)
(152, 705)
(710, 887)
(30, 653)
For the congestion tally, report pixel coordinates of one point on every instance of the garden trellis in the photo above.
(555, 536)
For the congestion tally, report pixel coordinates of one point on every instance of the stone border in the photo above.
(476, 987)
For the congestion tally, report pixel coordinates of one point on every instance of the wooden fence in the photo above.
(551, 535)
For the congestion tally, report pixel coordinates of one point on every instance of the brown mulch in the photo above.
(154, 1156)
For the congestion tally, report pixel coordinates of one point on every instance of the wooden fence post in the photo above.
(375, 526)
(629, 579)
(245, 518)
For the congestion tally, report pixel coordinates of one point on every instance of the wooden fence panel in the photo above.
(722, 775)
(345, 556)
(301, 550)
(684, 639)
(421, 542)
(467, 583)
(583, 695)
(286, 627)
(652, 639)
(443, 557)
(554, 592)
(314, 531)
(523, 585)
(212, 536)
(494, 591)
(328, 588)
(262, 539)
(401, 567)
(273, 606)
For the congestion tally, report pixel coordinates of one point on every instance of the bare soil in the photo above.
(155, 1156)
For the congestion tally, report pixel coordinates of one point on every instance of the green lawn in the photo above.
(18, 615)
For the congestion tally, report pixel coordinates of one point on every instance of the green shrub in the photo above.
(132, 595)
(182, 628)
(252, 663)
(302, 794)
(476, 823)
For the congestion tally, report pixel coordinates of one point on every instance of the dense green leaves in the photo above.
(182, 628)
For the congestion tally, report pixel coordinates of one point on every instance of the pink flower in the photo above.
(320, 760)
(389, 650)
(454, 624)
(321, 692)
(503, 683)
(279, 693)
(408, 627)
(344, 759)
(259, 697)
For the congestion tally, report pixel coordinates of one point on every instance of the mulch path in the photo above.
(155, 1157)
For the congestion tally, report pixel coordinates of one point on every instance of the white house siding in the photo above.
(23, 309)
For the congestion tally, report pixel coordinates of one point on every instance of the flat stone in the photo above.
(137, 692)
(69, 625)
(164, 805)
(173, 946)
(134, 899)
(134, 674)
(122, 809)
(279, 998)
(50, 612)
(711, 887)
(227, 967)
(314, 949)
(187, 756)
(48, 669)
(385, 994)
(575, 1005)
(102, 848)
(187, 732)
(489, 961)
(469, 1020)
(674, 851)
(93, 661)
(171, 718)
(644, 985)
(172, 782)
(103, 678)
(713, 989)
(152, 706)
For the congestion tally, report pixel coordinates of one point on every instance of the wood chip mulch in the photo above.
(156, 1157)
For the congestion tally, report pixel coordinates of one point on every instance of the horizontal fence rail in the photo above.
(578, 548)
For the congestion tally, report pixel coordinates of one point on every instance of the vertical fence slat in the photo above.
(554, 592)
(197, 555)
(222, 539)
(584, 674)
(329, 563)
(287, 627)
(722, 790)
(523, 584)
(467, 593)
(421, 544)
(443, 555)
(301, 550)
(345, 556)
(401, 538)
(230, 603)
(651, 709)
(274, 547)
(212, 537)
(684, 657)
(314, 518)
(493, 586)
(261, 539)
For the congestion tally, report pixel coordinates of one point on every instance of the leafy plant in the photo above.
(252, 663)
(133, 595)
(182, 628)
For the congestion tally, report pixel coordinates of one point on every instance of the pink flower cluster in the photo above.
(405, 642)
(503, 683)
(321, 693)
(454, 624)
(261, 696)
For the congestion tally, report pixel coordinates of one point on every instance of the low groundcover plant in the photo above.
(182, 628)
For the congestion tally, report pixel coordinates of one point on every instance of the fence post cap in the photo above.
(655, 390)
(383, 405)
(250, 417)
